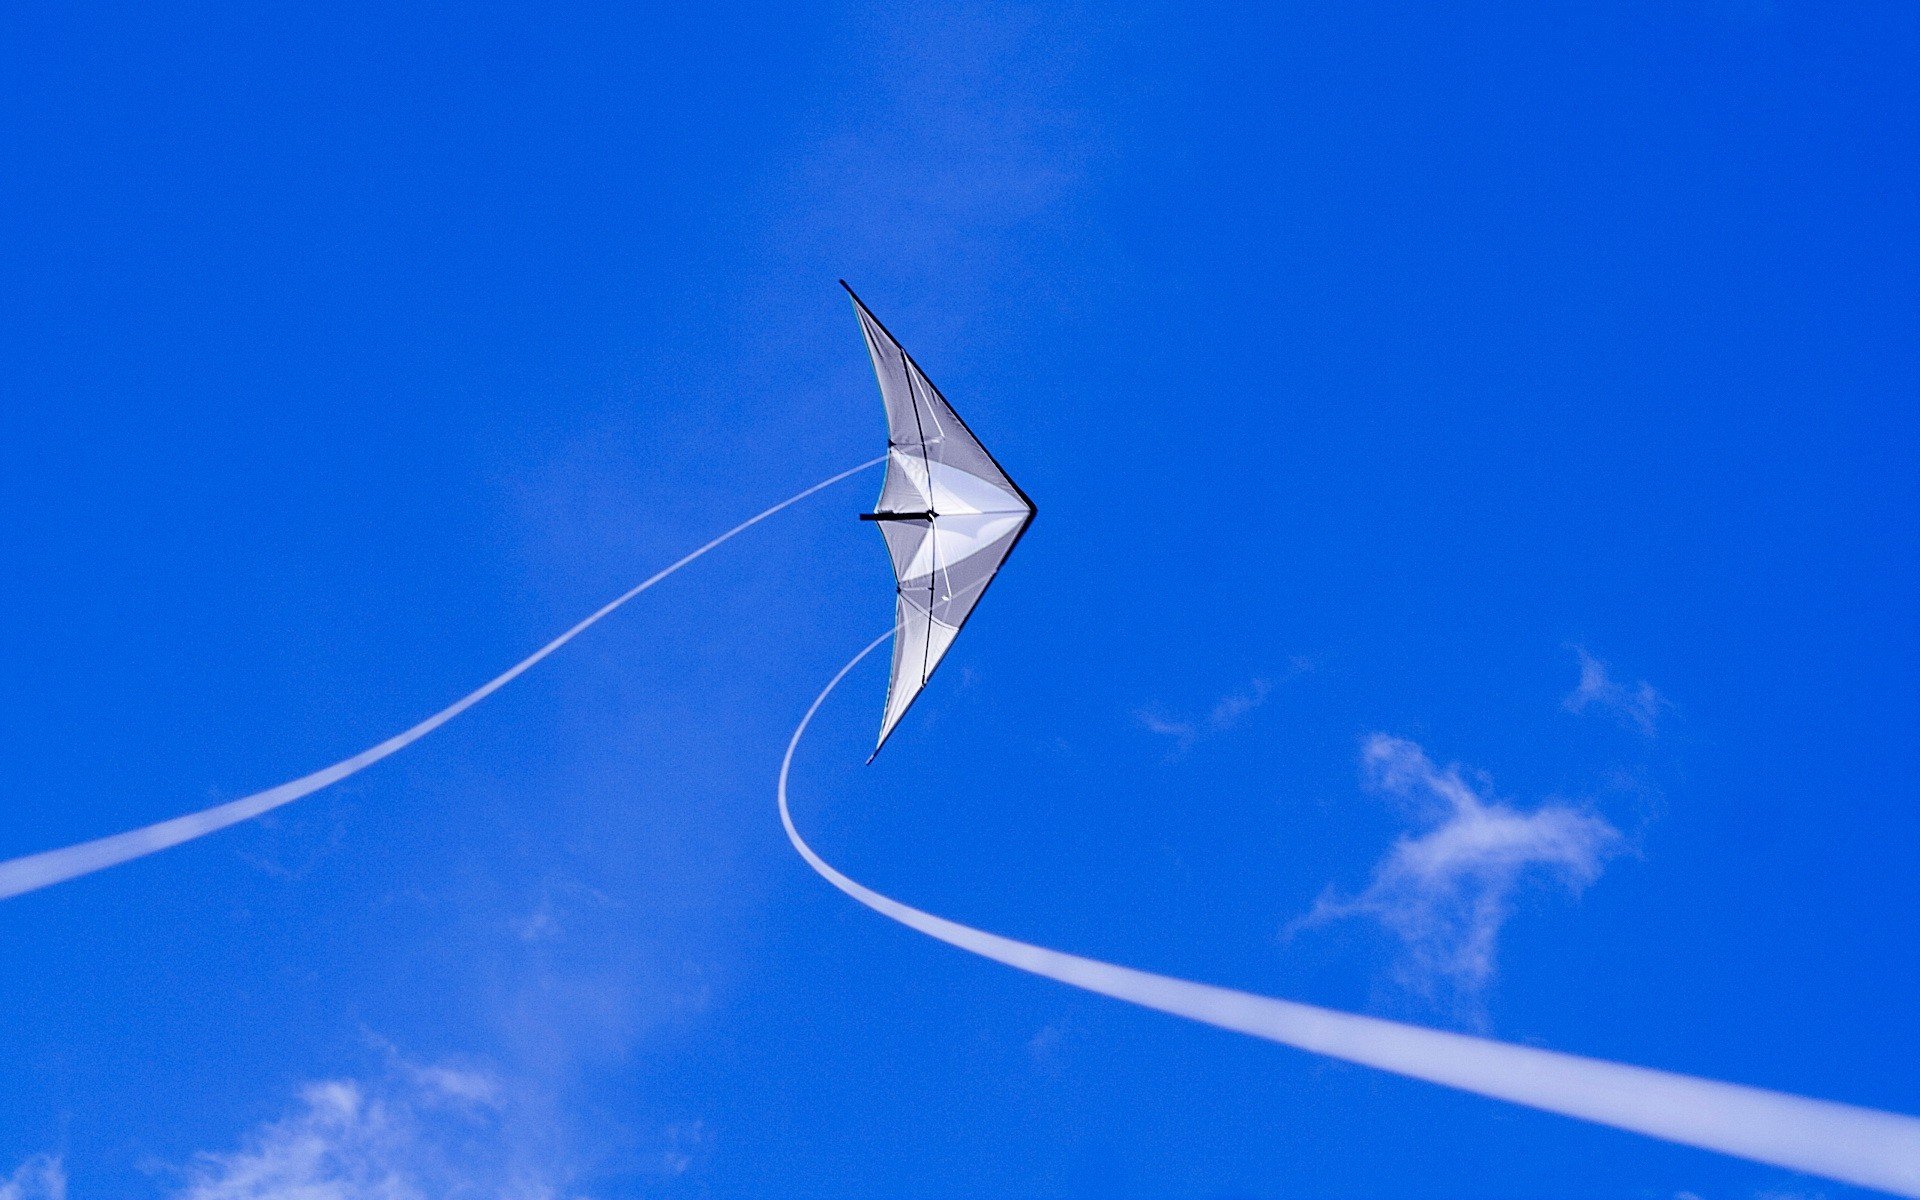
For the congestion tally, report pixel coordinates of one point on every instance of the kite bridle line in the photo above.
(1862, 1146)
(34, 871)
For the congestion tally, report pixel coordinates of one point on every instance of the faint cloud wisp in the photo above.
(1047, 1049)
(40, 1177)
(1638, 706)
(1445, 893)
(959, 153)
(1224, 715)
(687, 1141)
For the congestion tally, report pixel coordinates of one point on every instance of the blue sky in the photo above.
(1380, 373)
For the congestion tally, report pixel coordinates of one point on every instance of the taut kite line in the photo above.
(34, 871)
(1839, 1141)
(1861, 1146)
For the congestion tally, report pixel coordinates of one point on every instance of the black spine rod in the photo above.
(892, 516)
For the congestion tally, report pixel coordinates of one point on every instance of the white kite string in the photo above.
(33, 871)
(1839, 1141)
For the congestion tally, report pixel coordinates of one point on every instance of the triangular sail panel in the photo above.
(949, 513)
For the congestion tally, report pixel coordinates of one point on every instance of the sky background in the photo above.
(1381, 374)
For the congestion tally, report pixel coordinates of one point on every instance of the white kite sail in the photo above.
(949, 513)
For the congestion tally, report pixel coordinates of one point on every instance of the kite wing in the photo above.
(948, 511)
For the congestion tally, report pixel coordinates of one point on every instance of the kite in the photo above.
(949, 512)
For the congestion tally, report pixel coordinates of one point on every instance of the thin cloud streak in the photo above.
(1447, 892)
(1638, 706)
(1226, 713)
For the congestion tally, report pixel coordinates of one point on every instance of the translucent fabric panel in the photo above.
(909, 675)
(890, 366)
(919, 643)
(919, 417)
(959, 588)
(905, 487)
(950, 543)
(907, 544)
(928, 614)
(948, 441)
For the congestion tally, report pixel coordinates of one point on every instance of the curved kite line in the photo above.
(34, 871)
(1855, 1145)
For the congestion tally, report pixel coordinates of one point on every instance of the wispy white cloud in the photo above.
(416, 1132)
(1184, 732)
(1224, 715)
(40, 1177)
(1228, 710)
(540, 925)
(1639, 705)
(1447, 891)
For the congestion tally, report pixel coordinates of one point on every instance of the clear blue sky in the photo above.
(1367, 364)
